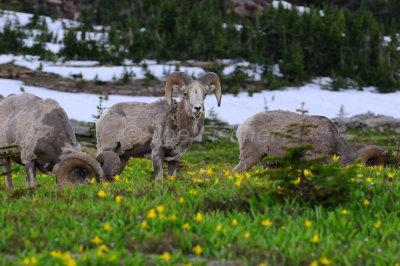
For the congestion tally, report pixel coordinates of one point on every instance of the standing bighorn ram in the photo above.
(162, 130)
(45, 140)
(256, 141)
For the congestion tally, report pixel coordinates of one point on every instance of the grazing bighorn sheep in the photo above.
(162, 130)
(256, 141)
(45, 140)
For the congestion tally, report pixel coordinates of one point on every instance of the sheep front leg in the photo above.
(30, 170)
(172, 168)
(246, 164)
(7, 169)
(157, 159)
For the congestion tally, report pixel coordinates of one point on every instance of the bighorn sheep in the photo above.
(160, 131)
(256, 141)
(45, 140)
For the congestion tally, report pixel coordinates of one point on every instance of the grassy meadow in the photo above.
(205, 216)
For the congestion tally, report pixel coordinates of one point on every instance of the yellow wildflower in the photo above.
(266, 223)
(377, 224)
(70, 262)
(93, 180)
(366, 202)
(197, 180)
(246, 235)
(209, 172)
(181, 200)
(314, 263)
(283, 227)
(107, 227)
(99, 253)
(105, 184)
(247, 174)
(369, 179)
(234, 222)
(307, 223)
(360, 175)
(160, 208)
(31, 261)
(152, 214)
(187, 264)
(144, 225)
(104, 248)
(173, 218)
(96, 240)
(112, 258)
(390, 175)
(335, 157)
(165, 256)
(297, 181)
(219, 228)
(80, 249)
(193, 191)
(199, 217)
(315, 238)
(217, 181)
(308, 173)
(198, 250)
(226, 173)
(344, 212)
(116, 177)
(101, 193)
(118, 198)
(186, 226)
(238, 182)
(325, 261)
(172, 178)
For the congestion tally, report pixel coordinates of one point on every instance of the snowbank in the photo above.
(235, 109)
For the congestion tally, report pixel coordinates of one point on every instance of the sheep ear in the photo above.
(177, 87)
(211, 88)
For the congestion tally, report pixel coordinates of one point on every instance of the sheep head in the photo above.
(77, 168)
(372, 155)
(194, 91)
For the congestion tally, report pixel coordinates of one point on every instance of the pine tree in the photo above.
(292, 65)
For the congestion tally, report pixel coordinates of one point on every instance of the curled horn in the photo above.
(77, 168)
(372, 155)
(210, 78)
(110, 163)
(176, 78)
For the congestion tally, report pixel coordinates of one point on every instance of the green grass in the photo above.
(48, 226)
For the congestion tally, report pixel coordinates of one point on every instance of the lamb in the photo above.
(45, 140)
(256, 141)
(160, 131)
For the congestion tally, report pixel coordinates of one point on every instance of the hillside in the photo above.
(356, 47)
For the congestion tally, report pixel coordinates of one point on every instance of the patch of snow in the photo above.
(238, 27)
(89, 71)
(235, 109)
(287, 5)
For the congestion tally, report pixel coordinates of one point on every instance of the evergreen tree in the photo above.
(292, 65)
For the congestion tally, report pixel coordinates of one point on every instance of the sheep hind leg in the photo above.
(172, 168)
(30, 170)
(6, 166)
